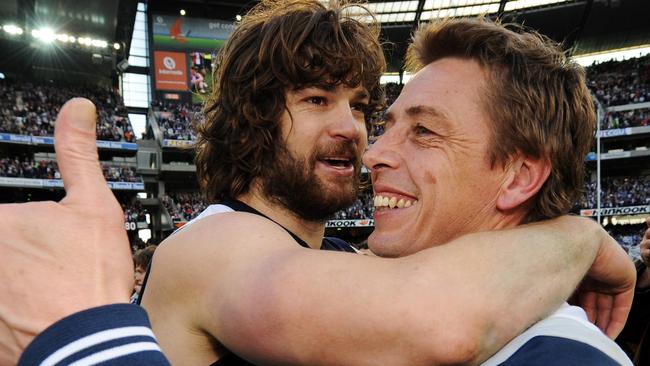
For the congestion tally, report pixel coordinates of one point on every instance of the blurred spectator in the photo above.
(141, 260)
(392, 91)
(362, 208)
(629, 237)
(624, 119)
(184, 206)
(621, 82)
(23, 167)
(197, 82)
(176, 119)
(187, 205)
(134, 212)
(31, 109)
(27, 168)
(618, 192)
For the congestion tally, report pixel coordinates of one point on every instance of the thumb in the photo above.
(76, 152)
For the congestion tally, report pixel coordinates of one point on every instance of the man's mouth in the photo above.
(384, 202)
(338, 162)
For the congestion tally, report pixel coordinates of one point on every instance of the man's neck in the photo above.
(311, 232)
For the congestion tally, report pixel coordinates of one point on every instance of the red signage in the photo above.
(171, 70)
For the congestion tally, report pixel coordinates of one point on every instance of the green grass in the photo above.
(192, 44)
(199, 98)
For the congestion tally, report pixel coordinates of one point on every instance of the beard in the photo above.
(292, 182)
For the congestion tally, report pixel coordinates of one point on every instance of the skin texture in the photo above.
(434, 152)
(244, 288)
(70, 255)
(242, 295)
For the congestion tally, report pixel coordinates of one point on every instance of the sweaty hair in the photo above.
(280, 45)
(535, 96)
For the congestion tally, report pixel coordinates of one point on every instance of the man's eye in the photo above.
(422, 131)
(362, 107)
(316, 100)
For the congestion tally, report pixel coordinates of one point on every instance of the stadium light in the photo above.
(182, 11)
(618, 55)
(99, 43)
(12, 29)
(45, 35)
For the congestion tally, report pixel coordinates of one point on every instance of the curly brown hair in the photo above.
(280, 45)
(538, 100)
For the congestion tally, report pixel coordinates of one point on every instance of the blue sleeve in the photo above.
(556, 351)
(118, 334)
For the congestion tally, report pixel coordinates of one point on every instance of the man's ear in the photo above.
(524, 178)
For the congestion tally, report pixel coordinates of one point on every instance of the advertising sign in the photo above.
(190, 34)
(171, 70)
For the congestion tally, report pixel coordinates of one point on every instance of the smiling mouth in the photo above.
(383, 202)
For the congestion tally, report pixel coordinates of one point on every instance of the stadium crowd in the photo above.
(184, 206)
(134, 212)
(362, 208)
(621, 82)
(618, 192)
(624, 119)
(31, 109)
(25, 167)
(176, 119)
(629, 236)
(392, 91)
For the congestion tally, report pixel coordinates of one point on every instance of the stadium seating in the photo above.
(30, 109)
(25, 167)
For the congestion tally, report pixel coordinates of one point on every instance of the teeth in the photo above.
(392, 202)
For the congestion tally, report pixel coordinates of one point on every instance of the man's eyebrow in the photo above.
(428, 111)
(323, 86)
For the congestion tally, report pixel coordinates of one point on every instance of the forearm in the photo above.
(449, 304)
(518, 276)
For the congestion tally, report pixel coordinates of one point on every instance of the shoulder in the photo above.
(551, 350)
(204, 255)
(227, 231)
(564, 338)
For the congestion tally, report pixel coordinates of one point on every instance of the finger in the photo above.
(588, 303)
(620, 310)
(604, 304)
(76, 152)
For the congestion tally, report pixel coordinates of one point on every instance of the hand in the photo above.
(60, 258)
(607, 291)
